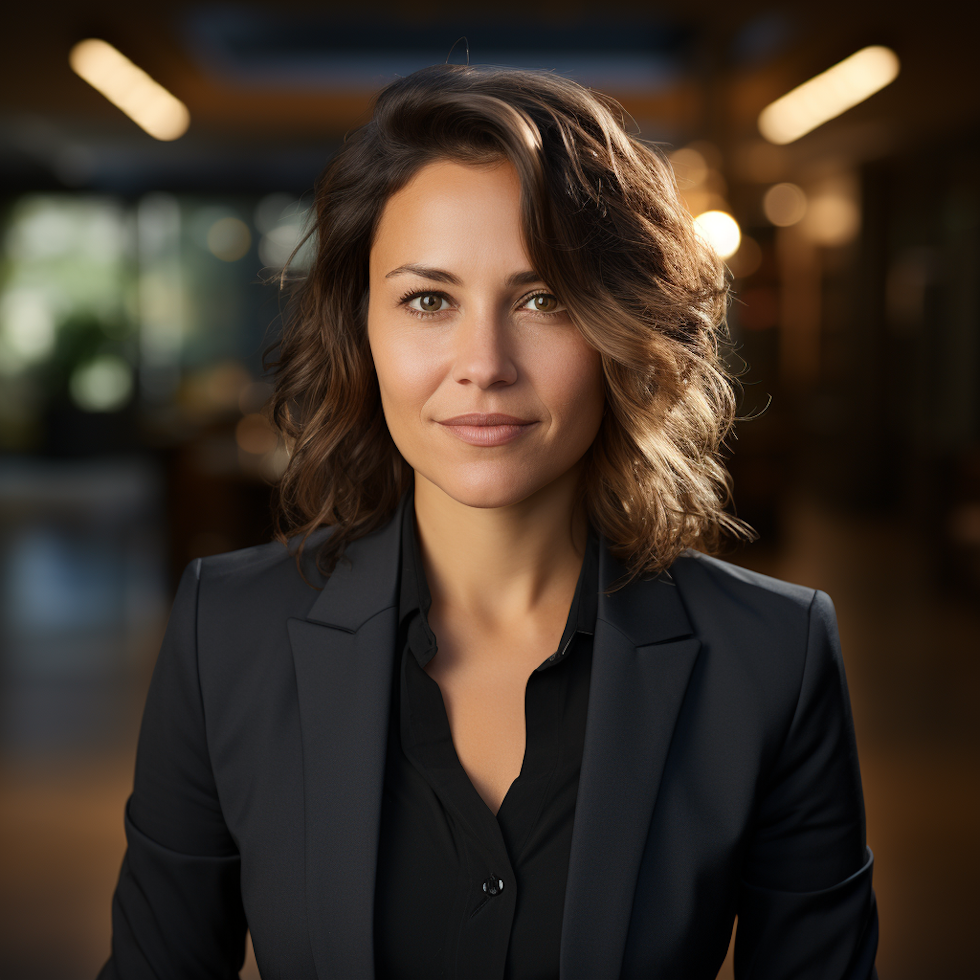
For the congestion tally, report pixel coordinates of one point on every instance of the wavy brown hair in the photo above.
(604, 227)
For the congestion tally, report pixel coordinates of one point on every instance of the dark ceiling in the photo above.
(271, 87)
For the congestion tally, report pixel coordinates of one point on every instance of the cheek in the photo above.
(575, 384)
(407, 374)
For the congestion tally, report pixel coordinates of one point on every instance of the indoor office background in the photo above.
(137, 293)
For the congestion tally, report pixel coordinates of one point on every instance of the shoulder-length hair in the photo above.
(604, 227)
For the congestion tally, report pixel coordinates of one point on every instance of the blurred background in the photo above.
(137, 266)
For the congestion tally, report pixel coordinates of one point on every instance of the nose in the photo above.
(483, 354)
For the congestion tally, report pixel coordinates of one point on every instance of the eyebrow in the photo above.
(525, 278)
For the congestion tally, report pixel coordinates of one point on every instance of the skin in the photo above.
(502, 540)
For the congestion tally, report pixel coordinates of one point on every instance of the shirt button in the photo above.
(493, 885)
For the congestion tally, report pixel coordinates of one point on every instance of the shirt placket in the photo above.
(487, 879)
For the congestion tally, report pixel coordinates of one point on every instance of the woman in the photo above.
(518, 727)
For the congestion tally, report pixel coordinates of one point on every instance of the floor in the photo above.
(912, 658)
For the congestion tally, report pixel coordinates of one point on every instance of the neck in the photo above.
(500, 563)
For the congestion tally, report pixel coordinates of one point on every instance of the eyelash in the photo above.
(415, 293)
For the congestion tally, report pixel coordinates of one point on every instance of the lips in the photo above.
(476, 418)
(486, 430)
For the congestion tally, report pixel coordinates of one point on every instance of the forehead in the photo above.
(451, 210)
(449, 181)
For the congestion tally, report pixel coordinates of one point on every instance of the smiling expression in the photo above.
(489, 390)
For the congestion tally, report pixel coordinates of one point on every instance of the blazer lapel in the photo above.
(643, 655)
(343, 653)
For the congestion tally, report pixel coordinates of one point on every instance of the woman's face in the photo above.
(489, 390)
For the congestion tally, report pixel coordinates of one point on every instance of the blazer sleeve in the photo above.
(806, 907)
(177, 909)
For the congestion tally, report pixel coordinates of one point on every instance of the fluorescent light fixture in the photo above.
(828, 94)
(130, 89)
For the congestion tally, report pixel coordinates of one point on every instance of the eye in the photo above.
(423, 303)
(543, 303)
(427, 302)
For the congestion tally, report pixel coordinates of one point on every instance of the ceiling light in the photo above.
(828, 94)
(130, 89)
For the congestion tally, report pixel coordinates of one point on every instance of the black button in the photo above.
(493, 885)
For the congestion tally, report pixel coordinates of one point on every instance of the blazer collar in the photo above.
(365, 583)
(647, 612)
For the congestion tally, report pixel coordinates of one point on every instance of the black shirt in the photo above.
(462, 893)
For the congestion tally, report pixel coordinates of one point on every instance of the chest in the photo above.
(483, 676)
(486, 708)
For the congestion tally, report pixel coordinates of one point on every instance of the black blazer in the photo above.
(719, 777)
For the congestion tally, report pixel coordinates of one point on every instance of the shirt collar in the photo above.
(414, 596)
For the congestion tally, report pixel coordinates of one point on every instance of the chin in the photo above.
(485, 486)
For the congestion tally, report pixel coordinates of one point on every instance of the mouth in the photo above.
(476, 418)
(487, 430)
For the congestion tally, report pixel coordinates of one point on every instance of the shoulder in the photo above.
(259, 578)
(704, 578)
(757, 616)
(770, 627)
(764, 643)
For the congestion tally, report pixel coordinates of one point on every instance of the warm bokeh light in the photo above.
(784, 204)
(229, 239)
(130, 89)
(700, 183)
(689, 165)
(254, 434)
(720, 230)
(828, 94)
(833, 219)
